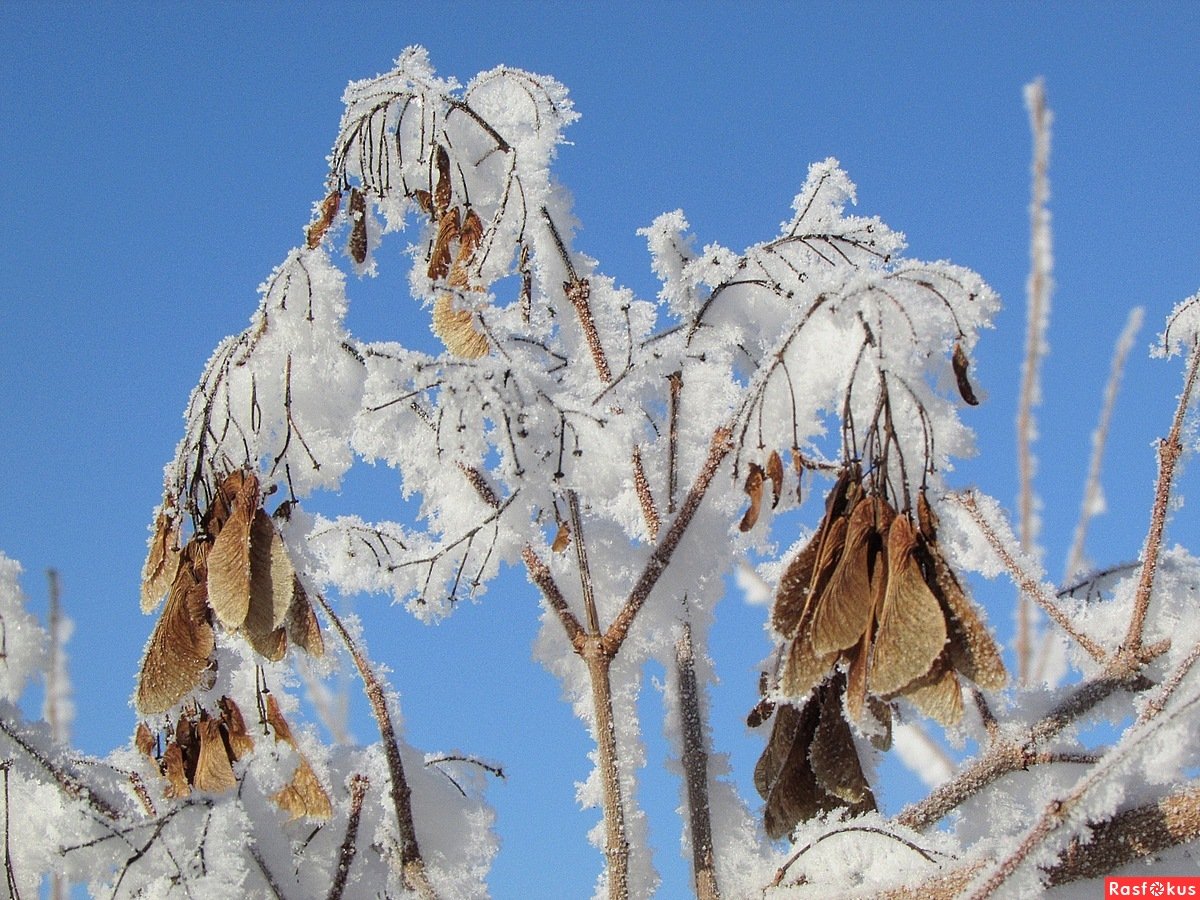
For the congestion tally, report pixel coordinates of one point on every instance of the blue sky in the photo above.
(163, 158)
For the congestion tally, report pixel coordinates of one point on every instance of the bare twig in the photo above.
(412, 864)
(1028, 585)
(695, 770)
(1092, 492)
(1035, 347)
(1169, 452)
(358, 790)
(657, 564)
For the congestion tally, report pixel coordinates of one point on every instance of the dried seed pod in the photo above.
(912, 628)
(938, 693)
(791, 597)
(843, 610)
(442, 190)
(972, 650)
(783, 775)
(329, 208)
(562, 537)
(754, 490)
(304, 795)
(182, 642)
(239, 739)
(272, 577)
(439, 256)
(804, 668)
(960, 363)
(833, 755)
(162, 559)
(794, 774)
(456, 328)
(357, 245)
(213, 770)
(173, 770)
(301, 626)
(775, 473)
(424, 200)
(229, 568)
(144, 740)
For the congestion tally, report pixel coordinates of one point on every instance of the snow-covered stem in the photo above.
(1025, 582)
(412, 865)
(358, 790)
(1004, 755)
(1169, 452)
(56, 687)
(69, 783)
(695, 769)
(1132, 834)
(616, 841)
(1037, 319)
(718, 449)
(1093, 496)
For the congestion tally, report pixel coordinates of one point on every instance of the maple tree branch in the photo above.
(657, 564)
(695, 770)
(1169, 452)
(1027, 583)
(412, 864)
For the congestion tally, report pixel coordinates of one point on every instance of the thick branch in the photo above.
(1133, 834)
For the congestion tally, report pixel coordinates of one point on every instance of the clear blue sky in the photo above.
(162, 158)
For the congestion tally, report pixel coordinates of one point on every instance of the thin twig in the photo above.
(695, 770)
(657, 564)
(412, 864)
(358, 790)
(1029, 586)
(1169, 452)
(1038, 315)
(1093, 497)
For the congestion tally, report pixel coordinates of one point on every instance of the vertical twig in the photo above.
(358, 790)
(55, 670)
(675, 380)
(695, 770)
(1093, 496)
(412, 864)
(9, 875)
(1169, 451)
(1038, 316)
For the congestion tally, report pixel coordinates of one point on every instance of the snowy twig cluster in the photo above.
(627, 454)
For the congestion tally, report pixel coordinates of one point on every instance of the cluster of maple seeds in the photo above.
(451, 256)
(235, 571)
(872, 601)
(202, 750)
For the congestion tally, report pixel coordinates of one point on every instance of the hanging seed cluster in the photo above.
(202, 749)
(453, 252)
(235, 572)
(871, 601)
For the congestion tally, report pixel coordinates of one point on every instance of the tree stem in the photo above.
(616, 843)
